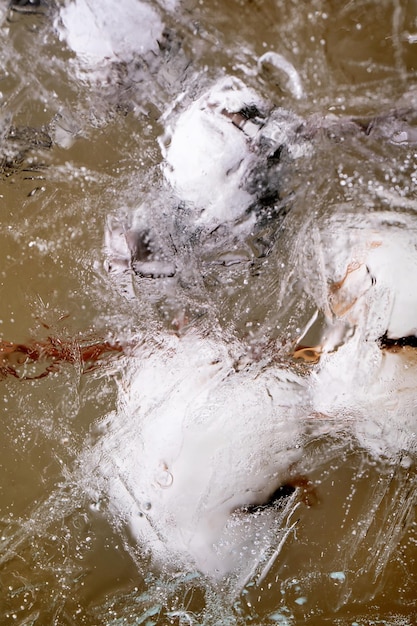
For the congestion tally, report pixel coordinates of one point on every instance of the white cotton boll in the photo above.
(390, 424)
(369, 387)
(109, 31)
(207, 156)
(370, 393)
(193, 441)
(371, 272)
(392, 261)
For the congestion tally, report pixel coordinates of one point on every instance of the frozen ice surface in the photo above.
(202, 431)
(199, 433)
(197, 436)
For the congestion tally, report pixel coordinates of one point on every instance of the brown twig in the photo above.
(57, 351)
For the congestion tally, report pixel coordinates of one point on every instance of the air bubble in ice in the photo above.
(338, 576)
(164, 478)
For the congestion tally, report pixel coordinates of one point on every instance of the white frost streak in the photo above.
(294, 84)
